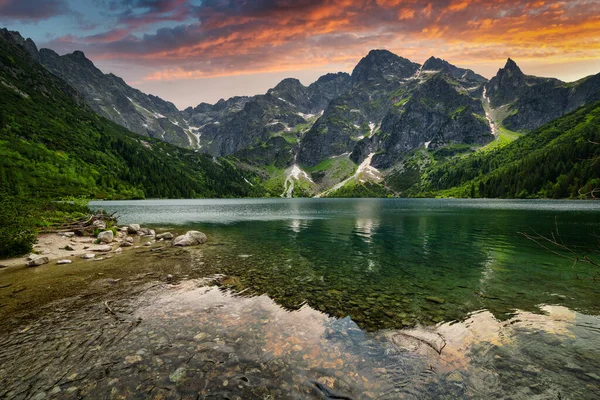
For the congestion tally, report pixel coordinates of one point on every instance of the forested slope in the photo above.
(559, 160)
(52, 145)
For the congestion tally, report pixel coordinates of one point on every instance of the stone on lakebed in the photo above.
(191, 238)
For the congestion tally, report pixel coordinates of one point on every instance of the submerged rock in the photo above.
(191, 238)
(88, 256)
(106, 236)
(36, 262)
(61, 262)
(434, 299)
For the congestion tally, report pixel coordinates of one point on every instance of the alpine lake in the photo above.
(316, 298)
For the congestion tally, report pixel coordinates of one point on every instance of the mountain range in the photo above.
(385, 129)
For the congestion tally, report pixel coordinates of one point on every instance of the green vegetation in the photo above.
(505, 137)
(20, 220)
(358, 189)
(558, 160)
(52, 145)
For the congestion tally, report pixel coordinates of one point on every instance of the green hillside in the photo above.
(52, 145)
(558, 160)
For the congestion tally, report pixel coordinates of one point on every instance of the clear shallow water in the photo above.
(390, 263)
(381, 299)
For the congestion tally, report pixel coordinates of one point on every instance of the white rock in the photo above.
(88, 256)
(68, 234)
(106, 236)
(133, 228)
(165, 236)
(191, 238)
(61, 262)
(101, 248)
(98, 224)
(36, 262)
(118, 251)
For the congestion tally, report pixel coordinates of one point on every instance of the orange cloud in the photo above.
(239, 37)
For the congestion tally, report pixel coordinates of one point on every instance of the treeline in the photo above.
(52, 145)
(558, 160)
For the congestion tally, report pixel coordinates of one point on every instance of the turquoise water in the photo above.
(390, 263)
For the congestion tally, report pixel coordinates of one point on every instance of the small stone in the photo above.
(201, 336)
(129, 239)
(148, 244)
(106, 236)
(39, 396)
(69, 248)
(133, 359)
(101, 249)
(434, 299)
(118, 251)
(68, 235)
(61, 262)
(165, 236)
(126, 244)
(178, 375)
(593, 376)
(133, 228)
(88, 256)
(98, 224)
(152, 232)
(170, 278)
(36, 262)
(99, 259)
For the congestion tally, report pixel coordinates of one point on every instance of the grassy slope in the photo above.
(51, 145)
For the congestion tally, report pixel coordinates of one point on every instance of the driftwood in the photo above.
(84, 224)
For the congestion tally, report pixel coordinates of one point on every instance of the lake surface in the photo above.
(333, 298)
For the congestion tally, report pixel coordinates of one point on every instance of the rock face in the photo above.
(106, 236)
(112, 98)
(531, 102)
(37, 261)
(191, 238)
(436, 113)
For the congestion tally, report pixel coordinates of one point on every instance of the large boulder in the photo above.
(133, 228)
(191, 238)
(106, 236)
(37, 261)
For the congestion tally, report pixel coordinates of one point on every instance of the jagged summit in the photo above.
(383, 64)
(15, 38)
(436, 64)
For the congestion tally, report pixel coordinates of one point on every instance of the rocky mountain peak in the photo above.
(15, 38)
(383, 64)
(511, 66)
(436, 64)
(506, 86)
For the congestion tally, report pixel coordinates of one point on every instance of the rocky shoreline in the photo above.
(64, 247)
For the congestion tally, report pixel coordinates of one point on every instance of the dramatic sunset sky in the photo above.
(188, 51)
